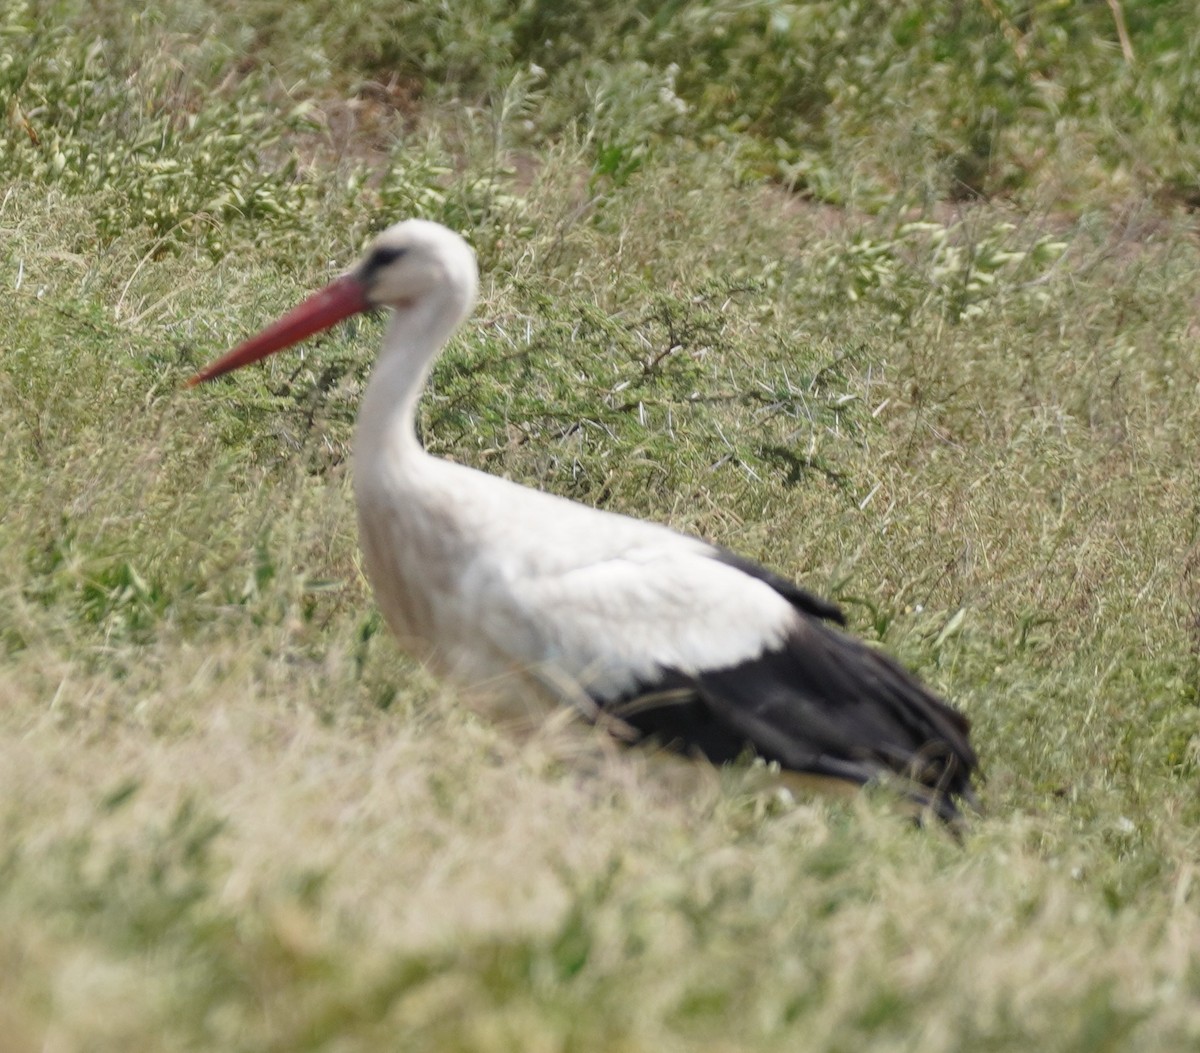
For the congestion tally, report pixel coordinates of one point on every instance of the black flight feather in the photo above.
(822, 703)
(801, 599)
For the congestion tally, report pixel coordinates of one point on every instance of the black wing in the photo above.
(822, 703)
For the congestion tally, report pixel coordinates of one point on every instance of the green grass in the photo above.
(899, 299)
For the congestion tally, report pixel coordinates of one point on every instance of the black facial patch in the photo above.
(381, 257)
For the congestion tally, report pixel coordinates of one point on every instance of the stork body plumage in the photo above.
(495, 584)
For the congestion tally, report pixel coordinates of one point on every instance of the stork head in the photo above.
(412, 261)
(416, 267)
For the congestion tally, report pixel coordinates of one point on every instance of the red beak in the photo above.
(339, 299)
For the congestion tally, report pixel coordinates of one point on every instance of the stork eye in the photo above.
(384, 255)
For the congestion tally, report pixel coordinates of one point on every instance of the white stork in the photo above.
(667, 636)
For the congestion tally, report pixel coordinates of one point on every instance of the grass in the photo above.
(898, 299)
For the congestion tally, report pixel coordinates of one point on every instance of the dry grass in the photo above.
(232, 816)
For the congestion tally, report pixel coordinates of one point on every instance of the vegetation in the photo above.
(897, 298)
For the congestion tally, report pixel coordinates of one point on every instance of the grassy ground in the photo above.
(899, 299)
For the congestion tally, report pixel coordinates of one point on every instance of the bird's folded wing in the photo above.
(689, 647)
(619, 623)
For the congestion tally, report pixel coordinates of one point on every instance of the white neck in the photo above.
(414, 337)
